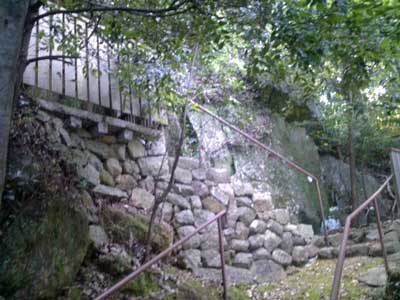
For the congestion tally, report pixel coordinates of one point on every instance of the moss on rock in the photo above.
(143, 285)
(392, 291)
(196, 290)
(42, 250)
(120, 226)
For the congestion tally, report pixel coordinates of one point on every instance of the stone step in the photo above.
(372, 249)
(362, 235)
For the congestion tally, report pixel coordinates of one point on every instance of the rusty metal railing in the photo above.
(342, 253)
(157, 258)
(292, 163)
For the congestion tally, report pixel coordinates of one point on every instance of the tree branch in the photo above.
(51, 57)
(159, 200)
(172, 10)
(164, 195)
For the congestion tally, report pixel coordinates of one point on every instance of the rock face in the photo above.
(42, 251)
(336, 174)
(213, 140)
(258, 236)
(287, 187)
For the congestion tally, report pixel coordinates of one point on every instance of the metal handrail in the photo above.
(157, 258)
(292, 163)
(342, 254)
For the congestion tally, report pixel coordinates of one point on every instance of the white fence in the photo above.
(91, 77)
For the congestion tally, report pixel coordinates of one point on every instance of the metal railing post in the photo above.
(155, 259)
(339, 265)
(321, 207)
(222, 255)
(381, 235)
(342, 253)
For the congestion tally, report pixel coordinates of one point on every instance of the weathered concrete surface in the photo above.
(96, 118)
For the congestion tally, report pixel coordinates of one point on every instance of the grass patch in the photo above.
(238, 292)
(143, 285)
(267, 287)
(314, 282)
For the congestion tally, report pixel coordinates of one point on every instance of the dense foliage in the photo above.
(333, 65)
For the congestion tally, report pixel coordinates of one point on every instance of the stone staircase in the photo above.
(364, 242)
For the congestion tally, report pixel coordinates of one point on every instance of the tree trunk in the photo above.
(352, 157)
(15, 31)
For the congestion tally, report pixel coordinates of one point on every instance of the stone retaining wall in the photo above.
(254, 229)
(255, 234)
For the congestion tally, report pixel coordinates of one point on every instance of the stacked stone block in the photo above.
(254, 229)
(136, 171)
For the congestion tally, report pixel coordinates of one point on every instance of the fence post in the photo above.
(222, 255)
(395, 162)
(381, 236)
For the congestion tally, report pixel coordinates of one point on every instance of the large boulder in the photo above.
(42, 250)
